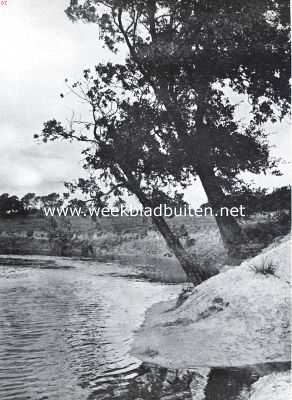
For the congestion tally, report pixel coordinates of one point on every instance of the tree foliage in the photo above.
(190, 55)
(193, 44)
(10, 205)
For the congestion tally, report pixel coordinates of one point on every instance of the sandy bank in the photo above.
(275, 386)
(239, 317)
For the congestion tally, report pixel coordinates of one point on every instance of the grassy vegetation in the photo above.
(265, 267)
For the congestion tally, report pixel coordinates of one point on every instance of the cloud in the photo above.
(39, 48)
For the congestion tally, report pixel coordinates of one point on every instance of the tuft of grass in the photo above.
(265, 267)
(150, 352)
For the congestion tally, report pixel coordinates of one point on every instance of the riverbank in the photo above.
(133, 241)
(121, 240)
(238, 318)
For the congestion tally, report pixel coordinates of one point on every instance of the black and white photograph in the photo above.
(145, 200)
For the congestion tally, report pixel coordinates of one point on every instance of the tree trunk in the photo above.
(193, 270)
(231, 233)
(230, 230)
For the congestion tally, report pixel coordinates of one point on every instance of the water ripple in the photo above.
(66, 333)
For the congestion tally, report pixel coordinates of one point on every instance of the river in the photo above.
(67, 327)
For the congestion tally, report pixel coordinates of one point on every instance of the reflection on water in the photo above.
(66, 328)
(66, 333)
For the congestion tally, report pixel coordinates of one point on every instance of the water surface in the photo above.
(66, 327)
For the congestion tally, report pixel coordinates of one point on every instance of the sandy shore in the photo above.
(238, 318)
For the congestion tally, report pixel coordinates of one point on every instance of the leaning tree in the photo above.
(124, 152)
(189, 52)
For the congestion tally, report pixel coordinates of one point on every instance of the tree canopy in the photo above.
(166, 113)
(190, 54)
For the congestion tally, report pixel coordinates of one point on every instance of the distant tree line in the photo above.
(30, 203)
(257, 200)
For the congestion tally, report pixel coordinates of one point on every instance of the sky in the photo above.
(39, 48)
